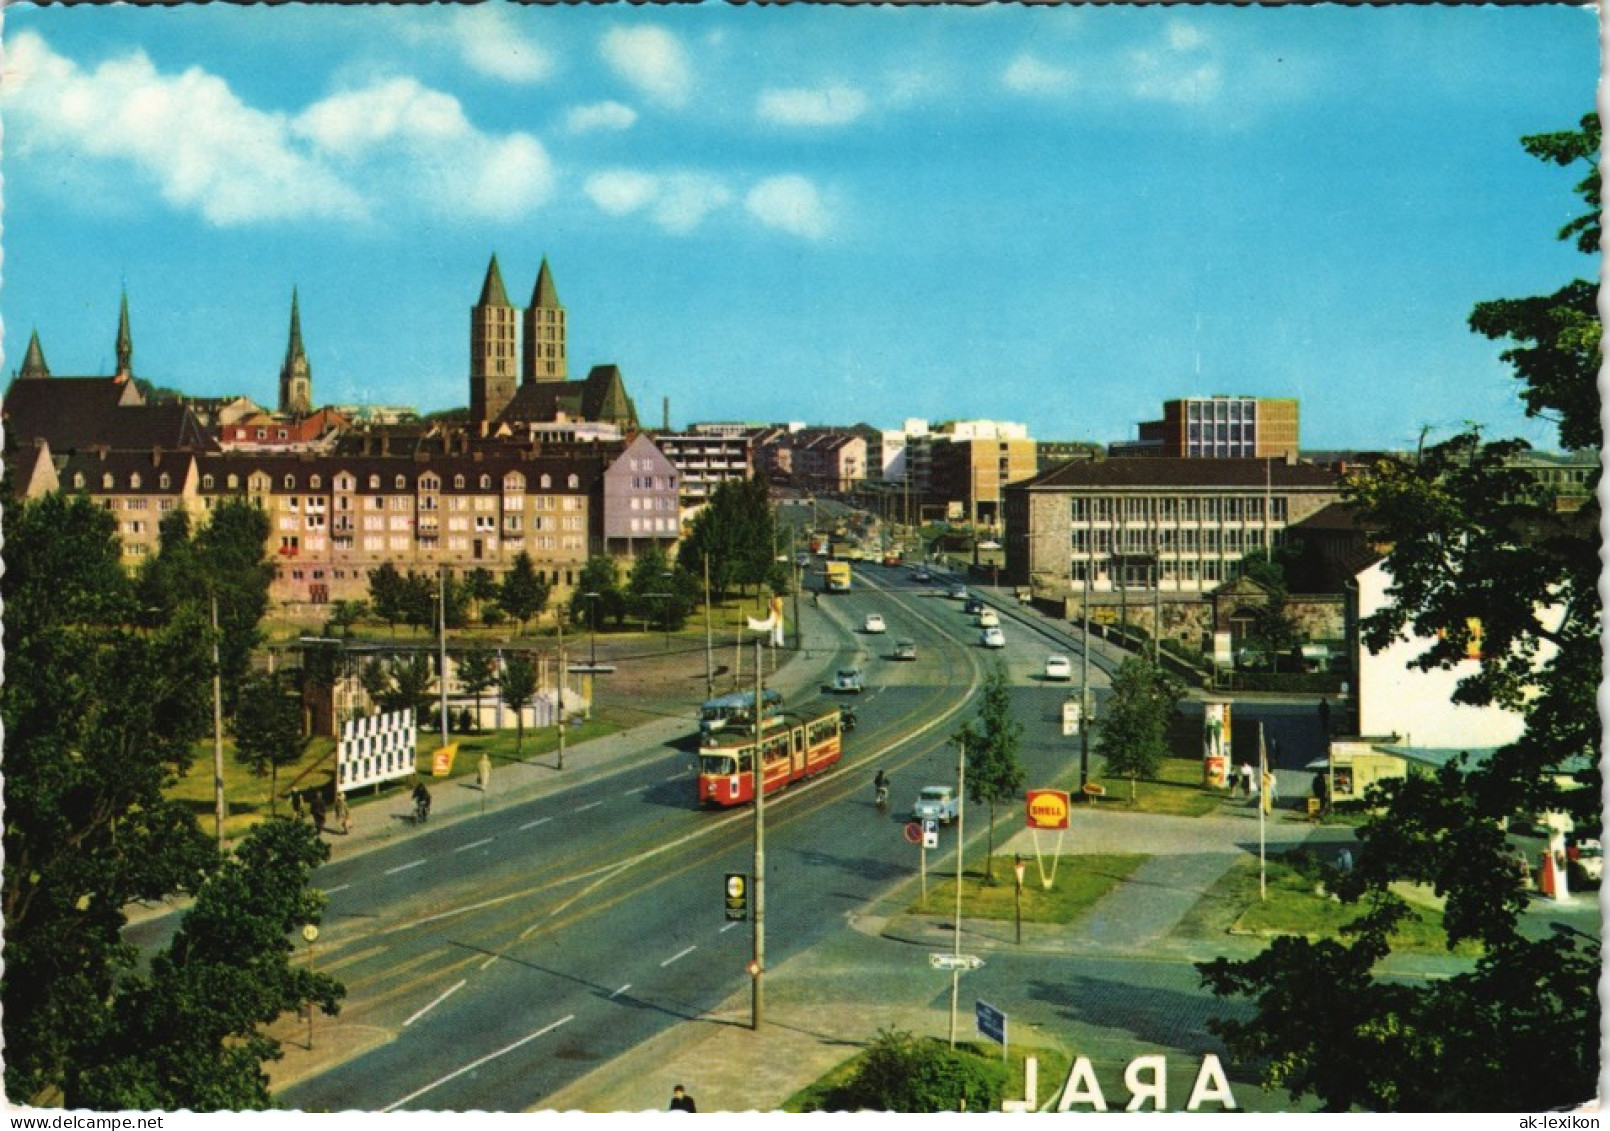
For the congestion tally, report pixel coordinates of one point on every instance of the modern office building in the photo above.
(1218, 427)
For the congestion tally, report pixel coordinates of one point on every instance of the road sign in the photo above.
(930, 832)
(737, 896)
(914, 832)
(955, 961)
(1070, 717)
(1047, 808)
(991, 1021)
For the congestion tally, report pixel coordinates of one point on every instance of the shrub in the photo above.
(903, 1073)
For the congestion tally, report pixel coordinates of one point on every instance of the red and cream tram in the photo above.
(797, 745)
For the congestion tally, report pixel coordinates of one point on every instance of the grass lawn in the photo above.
(247, 795)
(1079, 881)
(1176, 791)
(1053, 1066)
(1297, 905)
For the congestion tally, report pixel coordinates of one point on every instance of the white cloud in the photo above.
(677, 202)
(831, 106)
(652, 60)
(600, 116)
(790, 203)
(1170, 80)
(492, 44)
(188, 134)
(352, 156)
(1184, 37)
(1027, 74)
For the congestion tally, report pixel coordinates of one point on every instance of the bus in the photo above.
(734, 710)
(797, 746)
(838, 577)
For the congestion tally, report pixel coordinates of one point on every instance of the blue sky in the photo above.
(1055, 216)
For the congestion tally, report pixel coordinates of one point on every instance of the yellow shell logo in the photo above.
(1048, 809)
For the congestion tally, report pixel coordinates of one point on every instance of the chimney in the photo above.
(156, 457)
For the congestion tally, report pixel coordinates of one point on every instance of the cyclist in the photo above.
(421, 803)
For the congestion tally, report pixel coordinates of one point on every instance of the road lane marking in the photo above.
(403, 867)
(534, 824)
(443, 996)
(639, 789)
(475, 844)
(584, 808)
(679, 954)
(727, 928)
(332, 891)
(474, 1064)
(620, 991)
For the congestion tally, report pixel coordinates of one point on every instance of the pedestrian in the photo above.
(1324, 717)
(483, 771)
(1344, 861)
(1322, 790)
(296, 804)
(681, 1101)
(316, 808)
(1269, 786)
(343, 816)
(1246, 779)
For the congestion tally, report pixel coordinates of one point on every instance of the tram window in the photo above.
(714, 764)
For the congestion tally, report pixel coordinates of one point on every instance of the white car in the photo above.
(987, 618)
(847, 681)
(874, 623)
(936, 803)
(1588, 866)
(992, 638)
(1058, 667)
(958, 593)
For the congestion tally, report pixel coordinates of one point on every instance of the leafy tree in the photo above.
(481, 587)
(403, 683)
(1473, 550)
(524, 592)
(477, 672)
(516, 686)
(602, 577)
(903, 1073)
(388, 595)
(994, 771)
(345, 614)
(190, 1034)
(268, 729)
(1132, 731)
(657, 594)
(735, 532)
(99, 719)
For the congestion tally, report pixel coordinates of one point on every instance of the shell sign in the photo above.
(1047, 809)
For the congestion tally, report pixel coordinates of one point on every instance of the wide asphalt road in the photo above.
(494, 960)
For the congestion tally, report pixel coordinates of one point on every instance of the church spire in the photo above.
(125, 341)
(492, 292)
(494, 326)
(296, 375)
(543, 356)
(33, 362)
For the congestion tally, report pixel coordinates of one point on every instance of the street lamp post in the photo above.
(559, 688)
(220, 811)
(665, 615)
(757, 966)
(592, 626)
(1017, 897)
(1084, 682)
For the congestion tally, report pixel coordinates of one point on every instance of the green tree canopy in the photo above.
(191, 1034)
(268, 729)
(1132, 730)
(524, 592)
(993, 738)
(1474, 550)
(735, 533)
(517, 685)
(600, 576)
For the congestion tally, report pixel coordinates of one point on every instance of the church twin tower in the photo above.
(493, 336)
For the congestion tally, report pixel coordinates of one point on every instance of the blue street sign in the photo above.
(991, 1021)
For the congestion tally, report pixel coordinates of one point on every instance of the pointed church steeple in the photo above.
(33, 362)
(543, 355)
(492, 292)
(125, 342)
(494, 324)
(296, 374)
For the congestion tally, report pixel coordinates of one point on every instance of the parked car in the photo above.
(905, 650)
(936, 803)
(988, 618)
(1588, 864)
(848, 680)
(1058, 667)
(992, 638)
(874, 623)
